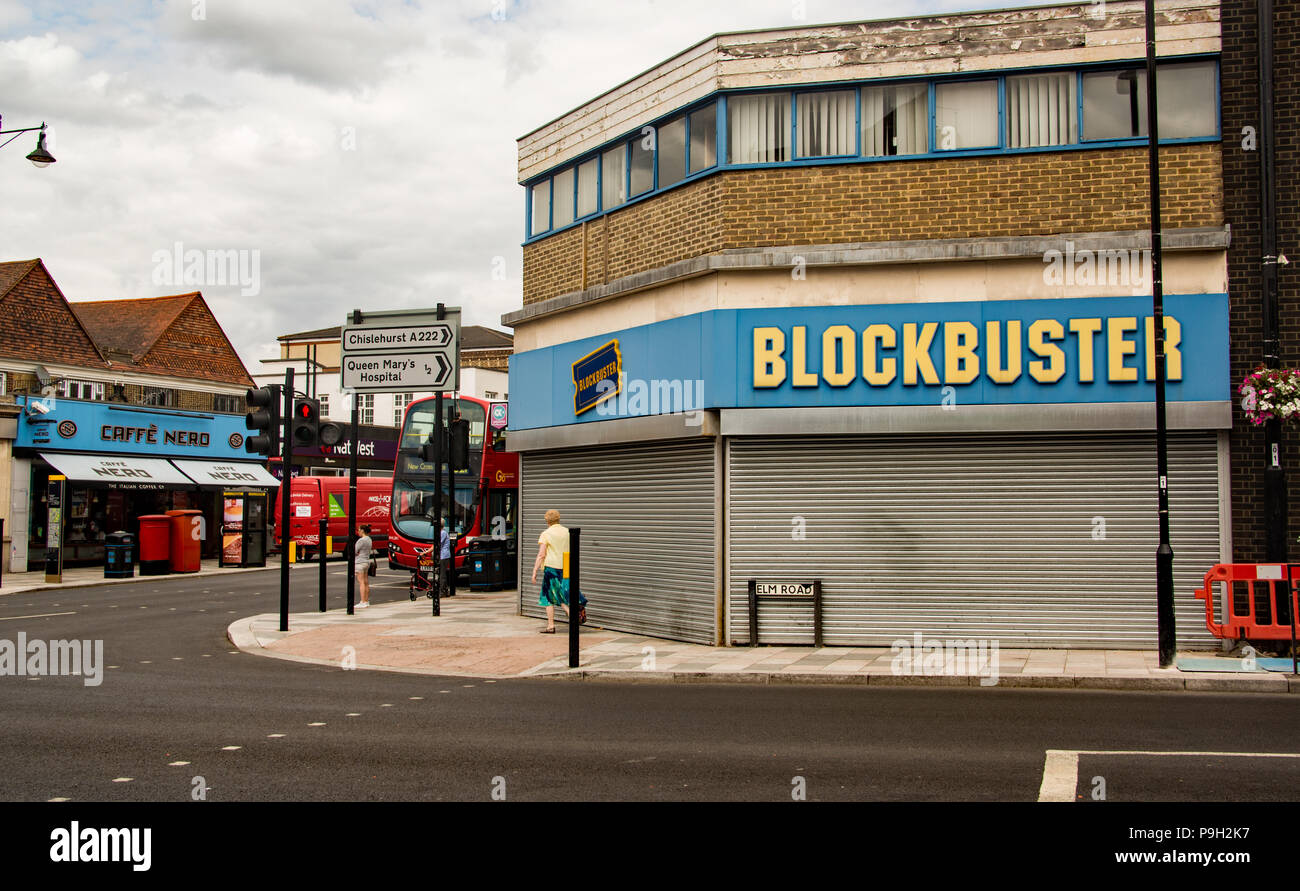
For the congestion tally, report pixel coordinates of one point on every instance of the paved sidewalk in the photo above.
(86, 576)
(480, 635)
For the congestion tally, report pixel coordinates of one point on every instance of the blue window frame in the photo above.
(976, 113)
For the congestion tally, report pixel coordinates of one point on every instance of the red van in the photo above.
(314, 497)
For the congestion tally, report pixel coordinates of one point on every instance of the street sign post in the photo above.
(402, 351)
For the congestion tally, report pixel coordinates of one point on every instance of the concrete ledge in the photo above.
(1132, 683)
(1215, 238)
(1278, 684)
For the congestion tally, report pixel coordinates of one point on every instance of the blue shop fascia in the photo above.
(121, 462)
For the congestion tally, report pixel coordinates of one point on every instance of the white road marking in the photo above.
(274, 735)
(417, 697)
(386, 705)
(231, 748)
(353, 715)
(316, 724)
(37, 616)
(1061, 768)
(178, 763)
(60, 799)
(123, 779)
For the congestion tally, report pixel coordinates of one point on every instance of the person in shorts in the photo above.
(553, 544)
(364, 552)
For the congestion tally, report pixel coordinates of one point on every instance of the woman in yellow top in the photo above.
(553, 544)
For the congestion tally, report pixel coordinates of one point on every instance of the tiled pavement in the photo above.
(481, 635)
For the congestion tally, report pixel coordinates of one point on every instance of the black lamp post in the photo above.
(40, 156)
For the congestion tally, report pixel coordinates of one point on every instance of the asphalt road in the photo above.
(179, 711)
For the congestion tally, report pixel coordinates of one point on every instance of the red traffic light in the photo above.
(306, 411)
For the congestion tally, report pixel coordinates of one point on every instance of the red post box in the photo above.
(186, 535)
(155, 544)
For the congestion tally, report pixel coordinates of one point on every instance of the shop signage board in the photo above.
(401, 351)
(75, 426)
(1080, 351)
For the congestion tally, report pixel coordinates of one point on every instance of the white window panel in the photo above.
(966, 115)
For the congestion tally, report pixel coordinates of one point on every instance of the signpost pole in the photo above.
(286, 484)
(320, 552)
(438, 458)
(352, 489)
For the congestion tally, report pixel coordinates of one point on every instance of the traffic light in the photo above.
(459, 445)
(306, 423)
(264, 417)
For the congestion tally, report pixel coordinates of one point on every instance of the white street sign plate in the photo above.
(402, 351)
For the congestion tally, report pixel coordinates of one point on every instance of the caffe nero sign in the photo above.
(76, 426)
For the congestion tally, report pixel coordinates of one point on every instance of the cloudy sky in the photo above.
(360, 154)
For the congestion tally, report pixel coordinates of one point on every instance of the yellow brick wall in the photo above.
(1006, 195)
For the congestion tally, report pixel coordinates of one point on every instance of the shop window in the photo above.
(1115, 102)
(825, 123)
(704, 138)
(587, 194)
(672, 152)
(74, 389)
(758, 129)
(966, 115)
(1042, 109)
(895, 120)
(613, 177)
(562, 199)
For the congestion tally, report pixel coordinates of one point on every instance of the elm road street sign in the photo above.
(402, 351)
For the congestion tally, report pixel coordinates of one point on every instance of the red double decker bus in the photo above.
(480, 501)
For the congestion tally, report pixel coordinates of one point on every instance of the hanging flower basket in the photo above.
(1269, 393)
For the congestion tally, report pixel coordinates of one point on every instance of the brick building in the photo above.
(137, 402)
(869, 304)
(1241, 164)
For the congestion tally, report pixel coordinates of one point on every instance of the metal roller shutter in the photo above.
(997, 537)
(649, 526)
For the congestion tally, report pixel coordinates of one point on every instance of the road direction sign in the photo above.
(402, 351)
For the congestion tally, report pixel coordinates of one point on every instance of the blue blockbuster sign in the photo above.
(75, 426)
(994, 352)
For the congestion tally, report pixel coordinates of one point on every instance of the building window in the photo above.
(758, 128)
(73, 389)
(704, 138)
(400, 402)
(966, 115)
(1042, 109)
(229, 404)
(826, 123)
(895, 120)
(672, 152)
(562, 199)
(324, 404)
(541, 216)
(613, 177)
(643, 164)
(1115, 102)
(4, 383)
(367, 406)
(489, 394)
(159, 396)
(587, 193)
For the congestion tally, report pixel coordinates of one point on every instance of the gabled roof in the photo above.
(36, 322)
(176, 335)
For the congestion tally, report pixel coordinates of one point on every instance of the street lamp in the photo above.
(40, 156)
